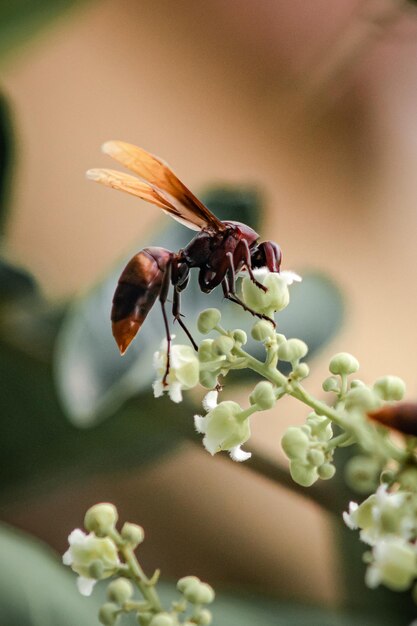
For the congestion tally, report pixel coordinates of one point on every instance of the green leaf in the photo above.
(36, 589)
(22, 19)
(39, 448)
(93, 380)
(6, 157)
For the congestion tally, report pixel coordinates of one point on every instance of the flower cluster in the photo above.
(353, 413)
(105, 552)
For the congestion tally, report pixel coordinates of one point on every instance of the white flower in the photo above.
(223, 427)
(183, 371)
(277, 295)
(86, 552)
(350, 518)
(394, 564)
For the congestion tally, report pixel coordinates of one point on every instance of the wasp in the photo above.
(219, 250)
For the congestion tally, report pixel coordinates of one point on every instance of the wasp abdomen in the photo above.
(138, 287)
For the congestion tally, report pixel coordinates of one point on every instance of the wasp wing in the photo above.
(187, 208)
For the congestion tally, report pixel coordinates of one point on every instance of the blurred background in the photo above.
(310, 104)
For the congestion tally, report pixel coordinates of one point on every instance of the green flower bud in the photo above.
(186, 581)
(331, 384)
(208, 379)
(208, 320)
(356, 383)
(263, 395)
(301, 371)
(223, 345)
(361, 474)
(390, 388)
(326, 471)
(120, 590)
(199, 593)
(315, 457)
(240, 337)
(343, 363)
(163, 619)
(302, 474)
(295, 443)
(101, 519)
(204, 617)
(292, 350)
(205, 351)
(144, 619)
(262, 330)
(408, 479)
(108, 613)
(320, 426)
(133, 534)
(361, 398)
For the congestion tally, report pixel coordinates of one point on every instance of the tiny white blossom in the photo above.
(84, 551)
(394, 564)
(183, 372)
(222, 428)
(277, 295)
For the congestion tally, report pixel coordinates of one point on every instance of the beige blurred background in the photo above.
(234, 91)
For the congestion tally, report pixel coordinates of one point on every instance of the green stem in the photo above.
(143, 582)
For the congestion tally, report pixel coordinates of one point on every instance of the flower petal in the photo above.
(237, 454)
(174, 392)
(85, 585)
(210, 400)
(290, 277)
(199, 423)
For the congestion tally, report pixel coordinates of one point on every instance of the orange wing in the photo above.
(163, 187)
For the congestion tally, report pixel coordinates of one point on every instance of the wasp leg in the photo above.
(229, 291)
(244, 251)
(177, 317)
(162, 299)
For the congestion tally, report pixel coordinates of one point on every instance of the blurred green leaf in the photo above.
(6, 156)
(92, 379)
(35, 588)
(40, 448)
(21, 19)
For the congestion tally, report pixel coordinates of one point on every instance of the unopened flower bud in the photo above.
(361, 473)
(263, 395)
(292, 350)
(133, 534)
(162, 619)
(361, 398)
(108, 613)
(357, 383)
(301, 371)
(408, 479)
(186, 581)
(262, 330)
(120, 590)
(204, 617)
(199, 593)
(326, 471)
(205, 351)
(101, 519)
(208, 320)
(303, 474)
(343, 363)
(390, 388)
(295, 443)
(223, 345)
(144, 619)
(208, 379)
(331, 384)
(315, 457)
(240, 337)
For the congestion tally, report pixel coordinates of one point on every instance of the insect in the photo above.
(219, 250)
